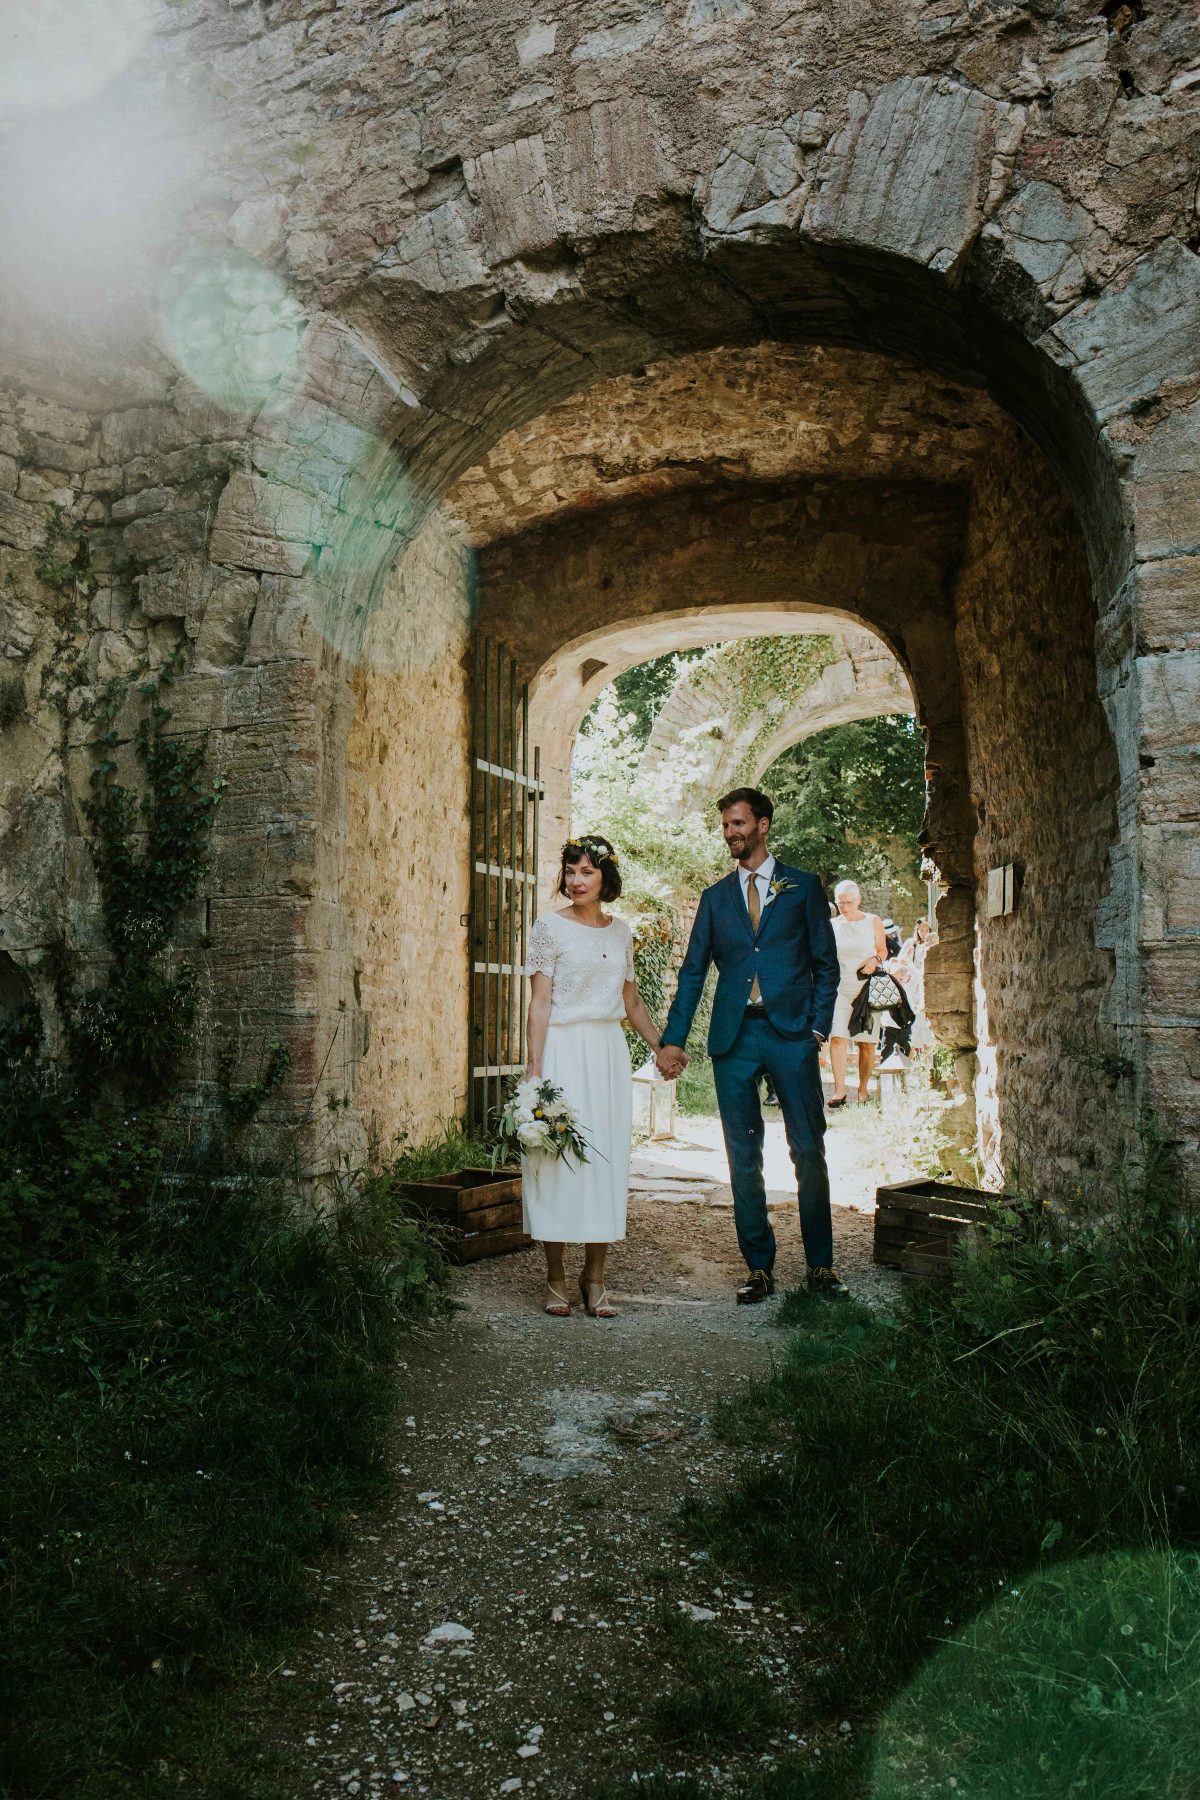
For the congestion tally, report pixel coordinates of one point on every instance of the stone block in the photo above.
(264, 526)
(1167, 598)
(1168, 695)
(916, 170)
(1171, 789)
(1166, 487)
(258, 929)
(1139, 337)
(438, 252)
(1172, 1073)
(258, 226)
(172, 590)
(624, 38)
(225, 622)
(758, 180)
(611, 157)
(1171, 881)
(45, 487)
(49, 453)
(143, 431)
(511, 185)
(283, 627)
(270, 694)
(162, 536)
(1049, 235)
(339, 372)
(1171, 983)
(21, 525)
(273, 857)
(137, 506)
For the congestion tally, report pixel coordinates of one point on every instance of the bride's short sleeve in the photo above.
(629, 969)
(543, 950)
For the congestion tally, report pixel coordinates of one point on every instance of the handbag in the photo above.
(882, 992)
(879, 993)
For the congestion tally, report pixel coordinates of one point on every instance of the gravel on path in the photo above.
(495, 1628)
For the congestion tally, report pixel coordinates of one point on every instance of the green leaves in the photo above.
(137, 1024)
(849, 802)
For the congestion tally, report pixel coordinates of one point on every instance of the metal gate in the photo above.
(506, 796)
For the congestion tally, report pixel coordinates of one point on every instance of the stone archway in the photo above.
(728, 743)
(470, 251)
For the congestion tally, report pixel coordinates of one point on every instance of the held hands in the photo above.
(671, 1061)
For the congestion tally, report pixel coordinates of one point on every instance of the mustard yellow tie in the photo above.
(755, 906)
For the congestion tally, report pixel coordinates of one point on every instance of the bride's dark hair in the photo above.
(600, 854)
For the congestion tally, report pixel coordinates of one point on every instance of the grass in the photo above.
(447, 1149)
(1036, 1412)
(696, 1089)
(987, 1507)
(195, 1387)
(1083, 1681)
(715, 1702)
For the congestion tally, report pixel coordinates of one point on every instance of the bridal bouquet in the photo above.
(537, 1121)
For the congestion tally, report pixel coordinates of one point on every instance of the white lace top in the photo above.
(588, 966)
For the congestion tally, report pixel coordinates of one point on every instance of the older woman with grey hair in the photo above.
(861, 949)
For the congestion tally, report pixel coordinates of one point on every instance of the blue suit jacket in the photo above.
(794, 957)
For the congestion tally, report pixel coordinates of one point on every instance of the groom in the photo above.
(767, 929)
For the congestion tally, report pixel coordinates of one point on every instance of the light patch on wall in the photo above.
(232, 326)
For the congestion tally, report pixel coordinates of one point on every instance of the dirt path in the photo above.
(496, 1628)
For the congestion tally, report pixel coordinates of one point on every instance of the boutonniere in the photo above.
(781, 885)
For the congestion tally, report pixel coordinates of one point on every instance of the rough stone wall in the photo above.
(883, 554)
(476, 215)
(406, 885)
(1043, 783)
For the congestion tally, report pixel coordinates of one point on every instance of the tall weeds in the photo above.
(196, 1380)
(1040, 1408)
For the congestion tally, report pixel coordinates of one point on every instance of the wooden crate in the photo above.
(477, 1211)
(919, 1223)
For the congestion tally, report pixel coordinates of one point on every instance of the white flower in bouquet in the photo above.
(537, 1121)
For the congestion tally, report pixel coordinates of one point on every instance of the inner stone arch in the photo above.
(748, 492)
(860, 680)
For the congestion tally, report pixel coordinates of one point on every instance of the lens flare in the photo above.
(1080, 1679)
(59, 52)
(232, 327)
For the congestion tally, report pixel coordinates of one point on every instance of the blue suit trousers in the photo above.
(792, 1064)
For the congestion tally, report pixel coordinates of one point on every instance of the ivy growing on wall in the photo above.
(150, 857)
(768, 674)
(654, 939)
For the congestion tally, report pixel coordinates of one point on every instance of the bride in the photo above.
(581, 987)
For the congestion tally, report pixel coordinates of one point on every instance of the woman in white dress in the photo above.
(861, 949)
(912, 963)
(580, 964)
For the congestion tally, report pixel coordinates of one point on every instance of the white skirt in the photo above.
(922, 1037)
(584, 1203)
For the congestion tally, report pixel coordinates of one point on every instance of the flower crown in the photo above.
(597, 848)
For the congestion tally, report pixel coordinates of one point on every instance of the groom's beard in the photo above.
(739, 847)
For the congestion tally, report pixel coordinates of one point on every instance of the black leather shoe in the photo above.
(828, 1283)
(757, 1285)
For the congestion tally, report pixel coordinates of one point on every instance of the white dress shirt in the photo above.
(764, 875)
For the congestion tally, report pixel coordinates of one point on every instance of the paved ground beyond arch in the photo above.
(538, 1468)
